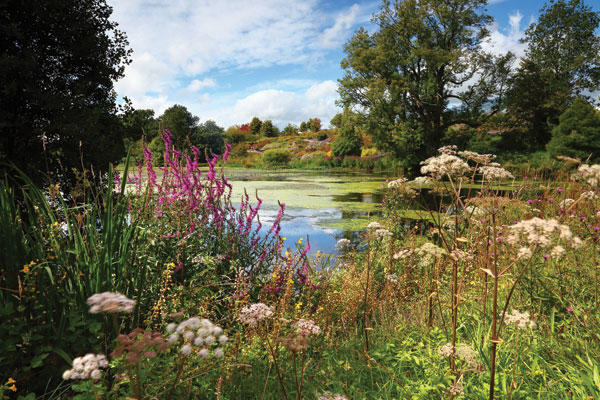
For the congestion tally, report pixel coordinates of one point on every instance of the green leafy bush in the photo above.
(276, 158)
(578, 133)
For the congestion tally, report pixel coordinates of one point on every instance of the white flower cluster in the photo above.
(393, 278)
(86, 367)
(383, 234)
(588, 195)
(343, 244)
(402, 254)
(430, 249)
(461, 255)
(306, 327)
(566, 203)
(373, 226)
(443, 165)
(327, 395)
(253, 314)
(524, 252)
(520, 320)
(429, 252)
(478, 158)
(194, 332)
(422, 180)
(397, 183)
(494, 173)
(589, 173)
(463, 351)
(110, 302)
(450, 149)
(538, 232)
(474, 211)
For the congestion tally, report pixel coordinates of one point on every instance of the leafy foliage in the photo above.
(57, 68)
(578, 133)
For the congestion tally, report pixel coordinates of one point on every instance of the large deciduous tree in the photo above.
(403, 76)
(562, 62)
(58, 62)
(180, 122)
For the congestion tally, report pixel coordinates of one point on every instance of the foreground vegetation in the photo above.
(168, 290)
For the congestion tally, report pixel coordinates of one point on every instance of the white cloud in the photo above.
(285, 107)
(196, 84)
(337, 34)
(177, 43)
(503, 41)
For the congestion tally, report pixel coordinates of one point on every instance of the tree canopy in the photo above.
(58, 62)
(403, 76)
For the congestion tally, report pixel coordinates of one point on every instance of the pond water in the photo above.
(325, 206)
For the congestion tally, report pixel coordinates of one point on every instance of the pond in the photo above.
(325, 206)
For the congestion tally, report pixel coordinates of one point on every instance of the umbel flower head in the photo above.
(196, 334)
(86, 367)
(255, 313)
(110, 303)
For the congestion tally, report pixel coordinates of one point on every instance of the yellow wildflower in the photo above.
(320, 309)
(10, 380)
(300, 241)
(298, 305)
(287, 253)
(274, 276)
(55, 223)
(26, 268)
(290, 281)
(283, 238)
(13, 388)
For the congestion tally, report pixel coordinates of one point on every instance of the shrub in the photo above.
(276, 157)
(578, 133)
(322, 136)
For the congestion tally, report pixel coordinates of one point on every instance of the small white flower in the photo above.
(203, 353)
(186, 349)
(218, 353)
(171, 327)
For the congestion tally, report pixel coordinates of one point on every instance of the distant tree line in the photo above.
(422, 80)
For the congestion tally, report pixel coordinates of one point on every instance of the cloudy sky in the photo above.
(230, 60)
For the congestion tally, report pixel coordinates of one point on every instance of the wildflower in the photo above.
(343, 244)
(463, 351)
(397, 183)
(422, 180)
(403, 254)
(524, 252)
(373, 226)
(306, 327)
(198, 333)
(478, 158)
(457, 387)
(474, 212)
(443, 165)
(10, 380)
(520, 320)
(450, 149)
(300, 241)
(26, 268)
(393, 278)
(13, 387)
(570, 309)
(110, 302)
(590, 174)
(566, 203)
(86, 367)
(255, 313)
(186, 349)
(383, 234)
(327, 395)
(557, 251)
(494, 173)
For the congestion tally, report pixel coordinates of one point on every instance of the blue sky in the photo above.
(230, 60)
